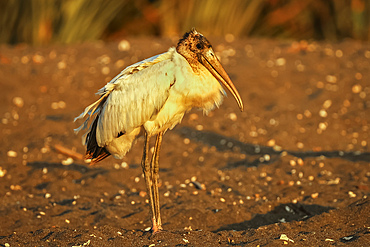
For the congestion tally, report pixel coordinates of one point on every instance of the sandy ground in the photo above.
(293, 168)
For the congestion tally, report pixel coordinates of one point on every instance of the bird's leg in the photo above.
(155, 176)
(146, 166)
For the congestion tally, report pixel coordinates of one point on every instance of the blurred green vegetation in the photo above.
(66, 21)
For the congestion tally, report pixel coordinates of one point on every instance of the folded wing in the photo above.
(130, 99)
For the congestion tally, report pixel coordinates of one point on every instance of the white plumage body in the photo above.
(155, 94)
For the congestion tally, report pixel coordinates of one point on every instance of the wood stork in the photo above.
(154, 95)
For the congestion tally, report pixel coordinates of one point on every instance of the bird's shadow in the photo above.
(255, 153)
(281, 214)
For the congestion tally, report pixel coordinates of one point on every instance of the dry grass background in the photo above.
(68, 21)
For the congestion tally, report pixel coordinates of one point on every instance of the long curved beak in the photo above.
(211, 62)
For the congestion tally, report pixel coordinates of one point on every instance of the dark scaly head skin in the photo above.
(191, 46)
(197, 50)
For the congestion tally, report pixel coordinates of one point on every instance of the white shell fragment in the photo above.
(285, 237)
(12, 154)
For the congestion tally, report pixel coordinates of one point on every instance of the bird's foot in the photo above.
(156, 228)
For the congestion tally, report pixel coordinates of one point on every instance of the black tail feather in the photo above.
(93, 151)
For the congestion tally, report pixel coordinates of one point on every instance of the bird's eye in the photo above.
(199, 46)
